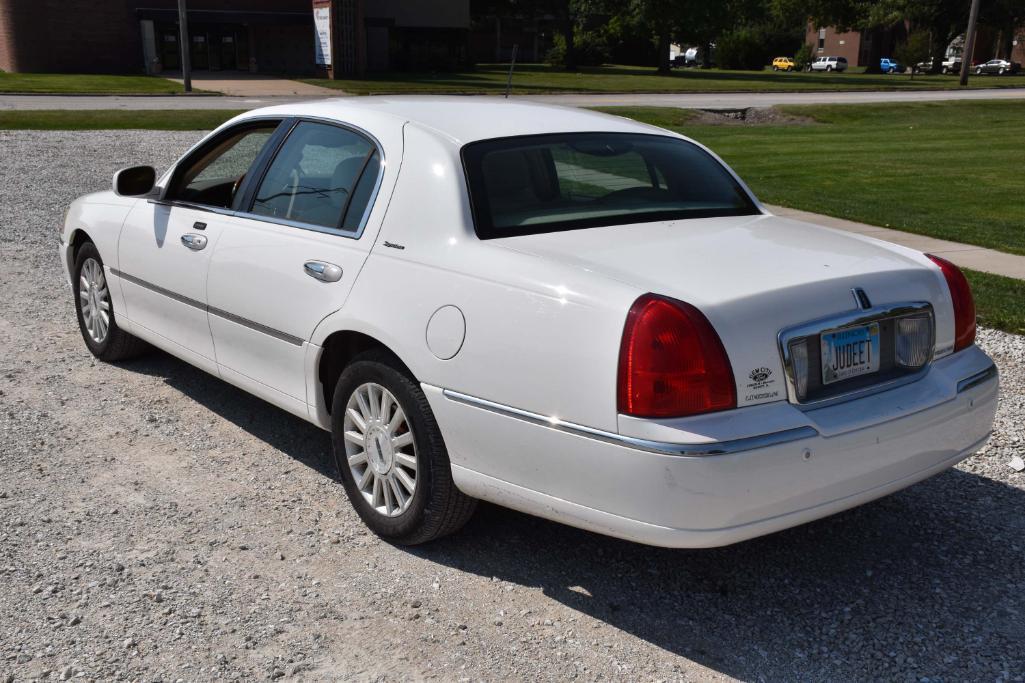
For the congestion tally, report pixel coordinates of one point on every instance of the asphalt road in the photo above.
(685, 100)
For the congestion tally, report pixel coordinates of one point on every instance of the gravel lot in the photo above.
(157, 524)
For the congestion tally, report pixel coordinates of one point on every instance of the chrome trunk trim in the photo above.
(849, 319)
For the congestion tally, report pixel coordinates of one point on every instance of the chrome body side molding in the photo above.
(270, 331)
(660, 447)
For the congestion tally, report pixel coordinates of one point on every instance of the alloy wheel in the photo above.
(94, 300)
(380, 449)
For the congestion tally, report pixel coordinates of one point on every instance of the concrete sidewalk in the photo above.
(257, 85)
(963, 255)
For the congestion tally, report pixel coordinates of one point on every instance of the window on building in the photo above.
(822, 39)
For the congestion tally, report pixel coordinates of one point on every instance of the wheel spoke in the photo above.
(358, 420)
(83, 284)
(365, 478)
(386, 404)
(372, 401)
(377, 497)
(389, 502)
(104, 305)
(402, 440)
(405, 479)
(398, 418)
(357, 458)
(354, 437)
(363, 406)
(396, 492)
(406, 460)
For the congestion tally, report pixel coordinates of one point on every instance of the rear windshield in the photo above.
(568, 181)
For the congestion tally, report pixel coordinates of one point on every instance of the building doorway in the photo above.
(213, 47)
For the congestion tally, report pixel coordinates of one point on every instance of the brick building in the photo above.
(274, 36)
(856, 46)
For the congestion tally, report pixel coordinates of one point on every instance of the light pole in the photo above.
(183, 40)
(969, 43)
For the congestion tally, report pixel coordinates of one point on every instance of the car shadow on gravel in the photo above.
(289, 434)
(925, 583)
(919, 584)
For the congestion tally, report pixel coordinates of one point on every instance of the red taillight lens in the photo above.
(964, 303)
(671, 362)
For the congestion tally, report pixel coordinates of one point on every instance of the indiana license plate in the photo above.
(850, 352)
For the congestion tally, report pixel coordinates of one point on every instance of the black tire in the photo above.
(117, 345)
(437, 507)
(829, 68)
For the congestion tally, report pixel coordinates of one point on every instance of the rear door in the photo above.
(165, 245)
(290, 255)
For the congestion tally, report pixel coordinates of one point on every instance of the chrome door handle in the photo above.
(194, 242)
(325, 272)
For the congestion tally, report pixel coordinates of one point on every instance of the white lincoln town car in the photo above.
(563, 312)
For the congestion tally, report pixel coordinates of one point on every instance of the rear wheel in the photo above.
(829, 68)
(95, 313)
(391, 455)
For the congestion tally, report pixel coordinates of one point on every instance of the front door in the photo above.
(290, 256)
(165, 245)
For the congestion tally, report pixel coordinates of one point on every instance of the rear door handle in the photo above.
(325, 272)
(194, 242)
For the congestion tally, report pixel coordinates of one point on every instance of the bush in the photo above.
(590, 48)
(741, 49)
(803, 57)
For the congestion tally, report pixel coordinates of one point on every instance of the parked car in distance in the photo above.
(783, 64)
(1000, 67)
(828, 64)
(571, 314)
(889, 66)
(949, 65)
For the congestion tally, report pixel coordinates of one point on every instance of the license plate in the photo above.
(850, 352)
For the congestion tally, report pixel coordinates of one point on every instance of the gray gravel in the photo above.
(157, 524)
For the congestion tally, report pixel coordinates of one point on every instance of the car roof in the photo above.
(461, 119)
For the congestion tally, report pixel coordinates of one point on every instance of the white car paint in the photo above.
(520, 368)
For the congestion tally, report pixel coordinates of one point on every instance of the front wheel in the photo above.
(391, 455)
(829, 68)
(96, 320)
(978, 72)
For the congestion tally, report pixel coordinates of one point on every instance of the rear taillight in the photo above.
(964, 304)
(671, 362)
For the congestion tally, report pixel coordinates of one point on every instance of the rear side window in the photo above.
(567, 181)
(323, 175)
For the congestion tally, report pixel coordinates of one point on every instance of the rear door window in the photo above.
(323, 176)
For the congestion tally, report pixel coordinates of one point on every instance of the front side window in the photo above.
(323, 175)
(567, 181)
(212, 175)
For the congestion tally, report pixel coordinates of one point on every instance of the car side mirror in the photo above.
(134, 181)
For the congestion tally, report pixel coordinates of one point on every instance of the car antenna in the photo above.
(512, 65)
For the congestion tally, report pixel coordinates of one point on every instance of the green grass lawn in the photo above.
(114, 119)
(93, 84)
(952, 170)
(999, 301)
(540, 78)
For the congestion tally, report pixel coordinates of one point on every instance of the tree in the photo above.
(914, 50)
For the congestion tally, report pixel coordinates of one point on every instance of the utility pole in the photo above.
(183, 41)
(969, 43)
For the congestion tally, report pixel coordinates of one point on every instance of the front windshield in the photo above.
(567, 181)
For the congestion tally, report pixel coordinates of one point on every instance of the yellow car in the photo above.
(782, 64)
